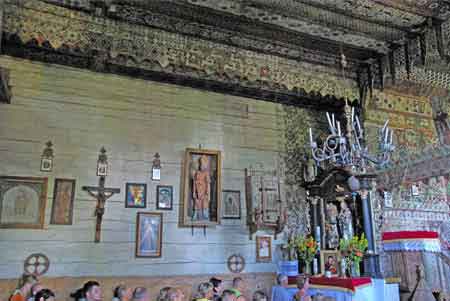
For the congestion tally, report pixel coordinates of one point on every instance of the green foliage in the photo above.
(353, 249)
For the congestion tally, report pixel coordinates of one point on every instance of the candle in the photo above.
(315, 266)
(339, 128)
(329, 122)
(359, 125)
(317, 234)
(391, 137)
(353, 114)
(386, 135)
(310, 136)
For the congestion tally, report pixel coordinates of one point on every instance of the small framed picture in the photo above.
(136, 195)
(149, 234)
(387, 195)
(263, 249)
(164, 197)
(231, 204)
(329, 262)
(102, 169)
(46, 164)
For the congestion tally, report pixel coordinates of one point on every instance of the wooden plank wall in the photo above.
(81, 111)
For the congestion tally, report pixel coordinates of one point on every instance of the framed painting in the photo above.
(263, 249)
(62, 207)
(329, 262)
(149, 234)
(135, 195)
(231, 204)
(201, 194)
(22, 202)
(164, 197)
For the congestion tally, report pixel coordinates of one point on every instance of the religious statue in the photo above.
(309, 169)
(331, 226)
(345, 221)
(201, 190)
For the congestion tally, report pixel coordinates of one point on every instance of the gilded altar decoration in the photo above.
(202, 188)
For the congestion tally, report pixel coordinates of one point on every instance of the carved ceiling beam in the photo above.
(429, 8)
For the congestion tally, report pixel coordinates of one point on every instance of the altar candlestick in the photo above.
(315, 266)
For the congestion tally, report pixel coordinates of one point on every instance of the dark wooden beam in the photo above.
(5, 88)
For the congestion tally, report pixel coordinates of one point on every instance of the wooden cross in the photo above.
(101, 194)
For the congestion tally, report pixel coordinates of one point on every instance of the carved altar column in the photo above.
(371, 259)
(316, 222)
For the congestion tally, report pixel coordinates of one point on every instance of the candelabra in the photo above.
(349, 150)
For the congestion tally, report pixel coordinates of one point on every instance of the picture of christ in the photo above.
(148, 234)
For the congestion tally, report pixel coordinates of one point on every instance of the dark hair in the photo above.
(78, 294)
(215, 282)
(44, 293)
(236, 281)
(226, 294)
(119, 291)
(88, 285)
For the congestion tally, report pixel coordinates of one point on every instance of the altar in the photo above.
(354, 289)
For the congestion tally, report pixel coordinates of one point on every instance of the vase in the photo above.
(356, 272)
(304, 267)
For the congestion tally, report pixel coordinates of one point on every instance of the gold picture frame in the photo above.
(202, 188)
(325, 257)
(263, 249)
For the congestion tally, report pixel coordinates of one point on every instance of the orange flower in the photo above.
(359, 254)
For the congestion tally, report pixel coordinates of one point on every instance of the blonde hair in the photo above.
(27, 279)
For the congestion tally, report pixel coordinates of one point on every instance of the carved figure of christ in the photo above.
(101, 194)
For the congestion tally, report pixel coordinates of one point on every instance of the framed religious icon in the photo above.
(164, 197)
(62, 207)
(263, 249)
(46, 164)
(149, 234)
(329, 263)
(231, 204)
(201, 194)
(136, 195)
(22, 202)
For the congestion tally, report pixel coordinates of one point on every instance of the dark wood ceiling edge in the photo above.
(94, 61)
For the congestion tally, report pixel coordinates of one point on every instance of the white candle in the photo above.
(310, 136)
(315, 266)
(359, 125)
(339, 128)
(386, 135)
(353, 114)
(318, 233)
(329, 122)
(391, 137)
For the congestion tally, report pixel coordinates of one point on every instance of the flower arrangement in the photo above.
(353, 250)
(306, 248)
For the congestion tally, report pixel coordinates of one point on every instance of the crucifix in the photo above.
(100, 193)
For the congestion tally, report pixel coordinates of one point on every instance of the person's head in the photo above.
(92, 291)
(330, 260)
(303, 285)
(217, 284)
(141, 294)
(163, 293)
(123, 293)
(204, 161)
(282, 280)
(259, 296)
(26, 282)
(205, 290)
(239, 283)
(228, 295)
(175, 294)
(44, 295)
(36, 288)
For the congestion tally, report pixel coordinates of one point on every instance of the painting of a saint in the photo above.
(148, 234)
(231, 204)
(136, 195)
(63, 196)
(263, 248)
(22, 202)
(201, 197)
(164, 197)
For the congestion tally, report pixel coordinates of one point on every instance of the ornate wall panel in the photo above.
(111, 42)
